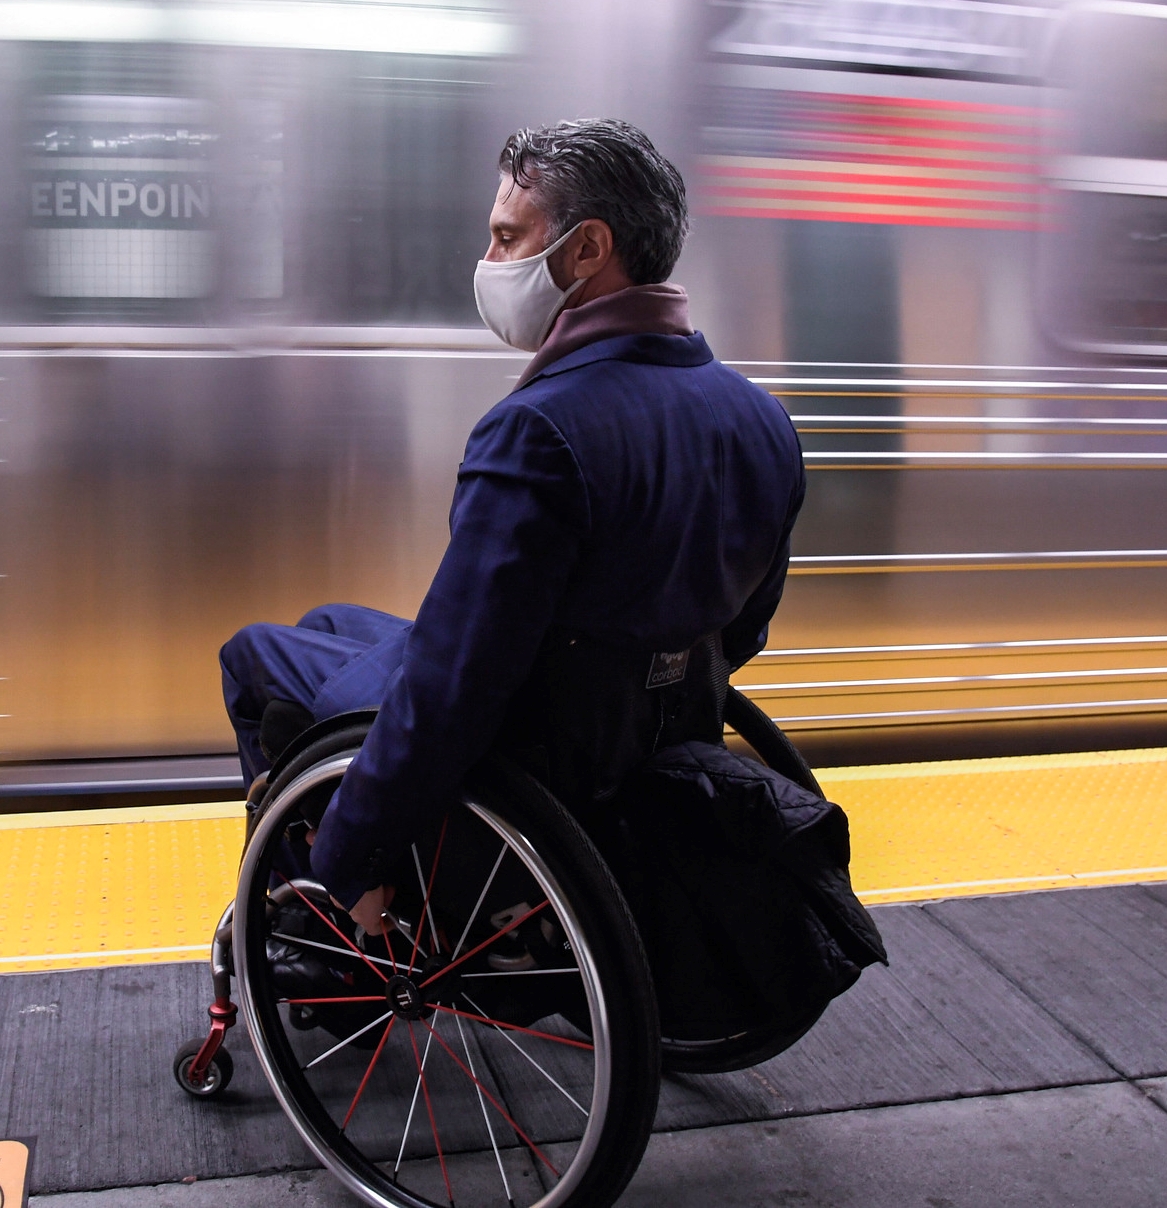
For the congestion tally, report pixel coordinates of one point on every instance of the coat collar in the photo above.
(646, 349)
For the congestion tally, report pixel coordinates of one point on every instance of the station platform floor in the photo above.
(1014, 1052)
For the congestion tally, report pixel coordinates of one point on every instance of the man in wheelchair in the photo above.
(619, 535)
(556, 875)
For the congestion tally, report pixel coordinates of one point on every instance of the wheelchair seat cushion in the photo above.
(738, 881)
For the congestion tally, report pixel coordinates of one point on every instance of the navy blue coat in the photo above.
(636, 490)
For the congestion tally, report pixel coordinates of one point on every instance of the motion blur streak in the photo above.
(239, 353)
(368, 25)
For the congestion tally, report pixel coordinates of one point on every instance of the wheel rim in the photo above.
(211, 1079)
(461, 1100)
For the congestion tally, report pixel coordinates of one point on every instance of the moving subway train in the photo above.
(239, 354)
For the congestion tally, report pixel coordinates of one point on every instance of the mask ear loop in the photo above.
(571, 289)
(554, 247)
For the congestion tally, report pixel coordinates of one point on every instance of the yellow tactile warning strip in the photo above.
(115, 887)
(932, 830)
(133, 886)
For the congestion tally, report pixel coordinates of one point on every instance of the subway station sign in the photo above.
(129, 200)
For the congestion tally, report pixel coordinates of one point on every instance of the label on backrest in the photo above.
(667, 669)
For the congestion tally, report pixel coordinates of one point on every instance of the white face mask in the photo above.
(518, 299)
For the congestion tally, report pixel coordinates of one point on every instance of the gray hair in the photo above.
(607, 169)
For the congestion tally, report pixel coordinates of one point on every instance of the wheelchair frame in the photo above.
(542, 1152)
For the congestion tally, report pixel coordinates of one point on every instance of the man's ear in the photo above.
(592, 248)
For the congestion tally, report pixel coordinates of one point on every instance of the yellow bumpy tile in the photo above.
(115, 886)
(1003, 825)
(143, 885)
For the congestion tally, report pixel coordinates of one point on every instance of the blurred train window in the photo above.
(179, 184)
(1116, 70)
(395, 187)
(1104, 256)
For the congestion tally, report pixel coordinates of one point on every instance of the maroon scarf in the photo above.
(661, 310)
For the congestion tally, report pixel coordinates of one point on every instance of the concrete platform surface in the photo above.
(1070, 1147)
(1014, 1053)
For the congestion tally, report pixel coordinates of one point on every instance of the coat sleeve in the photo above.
(746, 634)
(519, 513)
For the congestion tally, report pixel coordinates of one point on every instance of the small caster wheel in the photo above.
(215, 1080)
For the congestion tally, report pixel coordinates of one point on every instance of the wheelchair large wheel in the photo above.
(497, 1044)
(751, 1046)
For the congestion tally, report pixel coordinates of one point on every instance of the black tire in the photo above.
(565, 1128)
(341, 741)
(218, 1075)
(754, 1045)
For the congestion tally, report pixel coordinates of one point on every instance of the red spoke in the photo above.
(332, 926)
(498, 1106)
(300, 1002)
(425, 1090)
(514, 1027)
(368, 1073)
(485, 944)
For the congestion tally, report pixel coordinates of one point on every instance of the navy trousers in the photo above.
(335, 658)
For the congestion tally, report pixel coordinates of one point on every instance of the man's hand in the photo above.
(368, 908)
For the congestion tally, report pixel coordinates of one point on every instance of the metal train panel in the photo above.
(240, 355)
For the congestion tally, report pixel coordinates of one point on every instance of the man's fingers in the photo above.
(369, 907)
(367, 910)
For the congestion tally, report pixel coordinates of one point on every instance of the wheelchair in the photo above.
(499, 1042)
